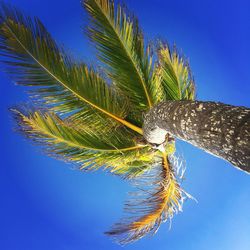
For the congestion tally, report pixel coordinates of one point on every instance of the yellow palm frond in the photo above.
(115, 151)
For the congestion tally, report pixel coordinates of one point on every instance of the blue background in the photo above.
(46, 205)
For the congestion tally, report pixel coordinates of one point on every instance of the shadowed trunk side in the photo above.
(220, 129)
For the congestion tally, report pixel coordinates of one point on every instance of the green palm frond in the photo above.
(177, 80)
(33, 59)
(116, 151)
(120, 45)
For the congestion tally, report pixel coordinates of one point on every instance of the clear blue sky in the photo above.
(46, 205)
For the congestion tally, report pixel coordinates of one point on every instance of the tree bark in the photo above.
(219, 129)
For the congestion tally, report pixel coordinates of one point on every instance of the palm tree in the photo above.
(94, 117)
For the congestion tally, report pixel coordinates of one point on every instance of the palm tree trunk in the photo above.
(220, 129)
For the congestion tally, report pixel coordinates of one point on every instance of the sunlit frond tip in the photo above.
(176, 75)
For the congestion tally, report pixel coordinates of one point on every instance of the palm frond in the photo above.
(177, 79)
(32, 58)
(116, 151)
(149, 208)
(120, 45)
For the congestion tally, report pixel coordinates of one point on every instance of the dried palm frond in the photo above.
(158, 198)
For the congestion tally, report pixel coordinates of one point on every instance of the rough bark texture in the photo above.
(220, 129)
